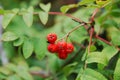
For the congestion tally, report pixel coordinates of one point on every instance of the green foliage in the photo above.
(8, 17)
(67, 70)
(46, 7)
(102, 57)
(25, 45)
(97, 57)
(19, 41)
(89, 74)
(27, 48)
(86, 2)
(9, 36)
(28, 16)
(102, 2)
(43, 17)
(117, 70)
(64, 9)
(39, 47)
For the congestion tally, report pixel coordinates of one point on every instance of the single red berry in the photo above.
(61, 46)
(52, 48)
(70, 48)
(52, 37)
(62, 55)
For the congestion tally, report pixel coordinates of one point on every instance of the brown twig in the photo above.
(81, 45)
(91, 36)
(107, 42)
(93, 15)
(68, 15)
(91, 32)
(67, 35)
(42, 74)
(72, 58)
(57, 13)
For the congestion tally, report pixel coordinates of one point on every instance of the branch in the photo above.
(107, 42)
(68, 15)
(42, 74)
(91, 32)
(93, 15)
(91, 35)
(67, 35)
(58, 13)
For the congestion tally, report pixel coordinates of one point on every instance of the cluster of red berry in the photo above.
(61, 47)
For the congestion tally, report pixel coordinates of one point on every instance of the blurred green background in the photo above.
(43, 65)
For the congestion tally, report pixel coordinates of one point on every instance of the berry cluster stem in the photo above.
(67, 35)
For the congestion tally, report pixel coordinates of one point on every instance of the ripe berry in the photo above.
(62, 55)
(62, 45)
(70, 48)
(52, 37)
(52, 48)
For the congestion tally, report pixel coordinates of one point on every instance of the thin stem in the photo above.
(107, 42)
(59, 13)
(81, 45)
(93, 15)
(68, 15)
(42, 74)
(90, 42)
(85, 65)
(67, 35)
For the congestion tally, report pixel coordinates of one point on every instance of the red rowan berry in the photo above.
(61, 46)
(52, 48)
(62, 55)
(70, 48)
(52, 37)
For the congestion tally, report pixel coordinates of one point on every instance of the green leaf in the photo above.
(28, 16)
(89, 74)
(20, 71)
(102, 2)
(9, 49)
(69, 68)
(115, 12)
(84, 57)
(115, 38)
(43, 17)
(11, 67)
(97, 57)
(5, 71)
(83, 2)
(62, 77)
(27, 48)
(35, 68)
(65, 8)
(25, 75)
(46, 7)
(8, 17)
(40, 47)
(109, 51)
(111, 23)
(9, 36)
(14, 77)
(92, 48)
(2, 76)
(1, 11)
(117, 70)
(18, 42)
